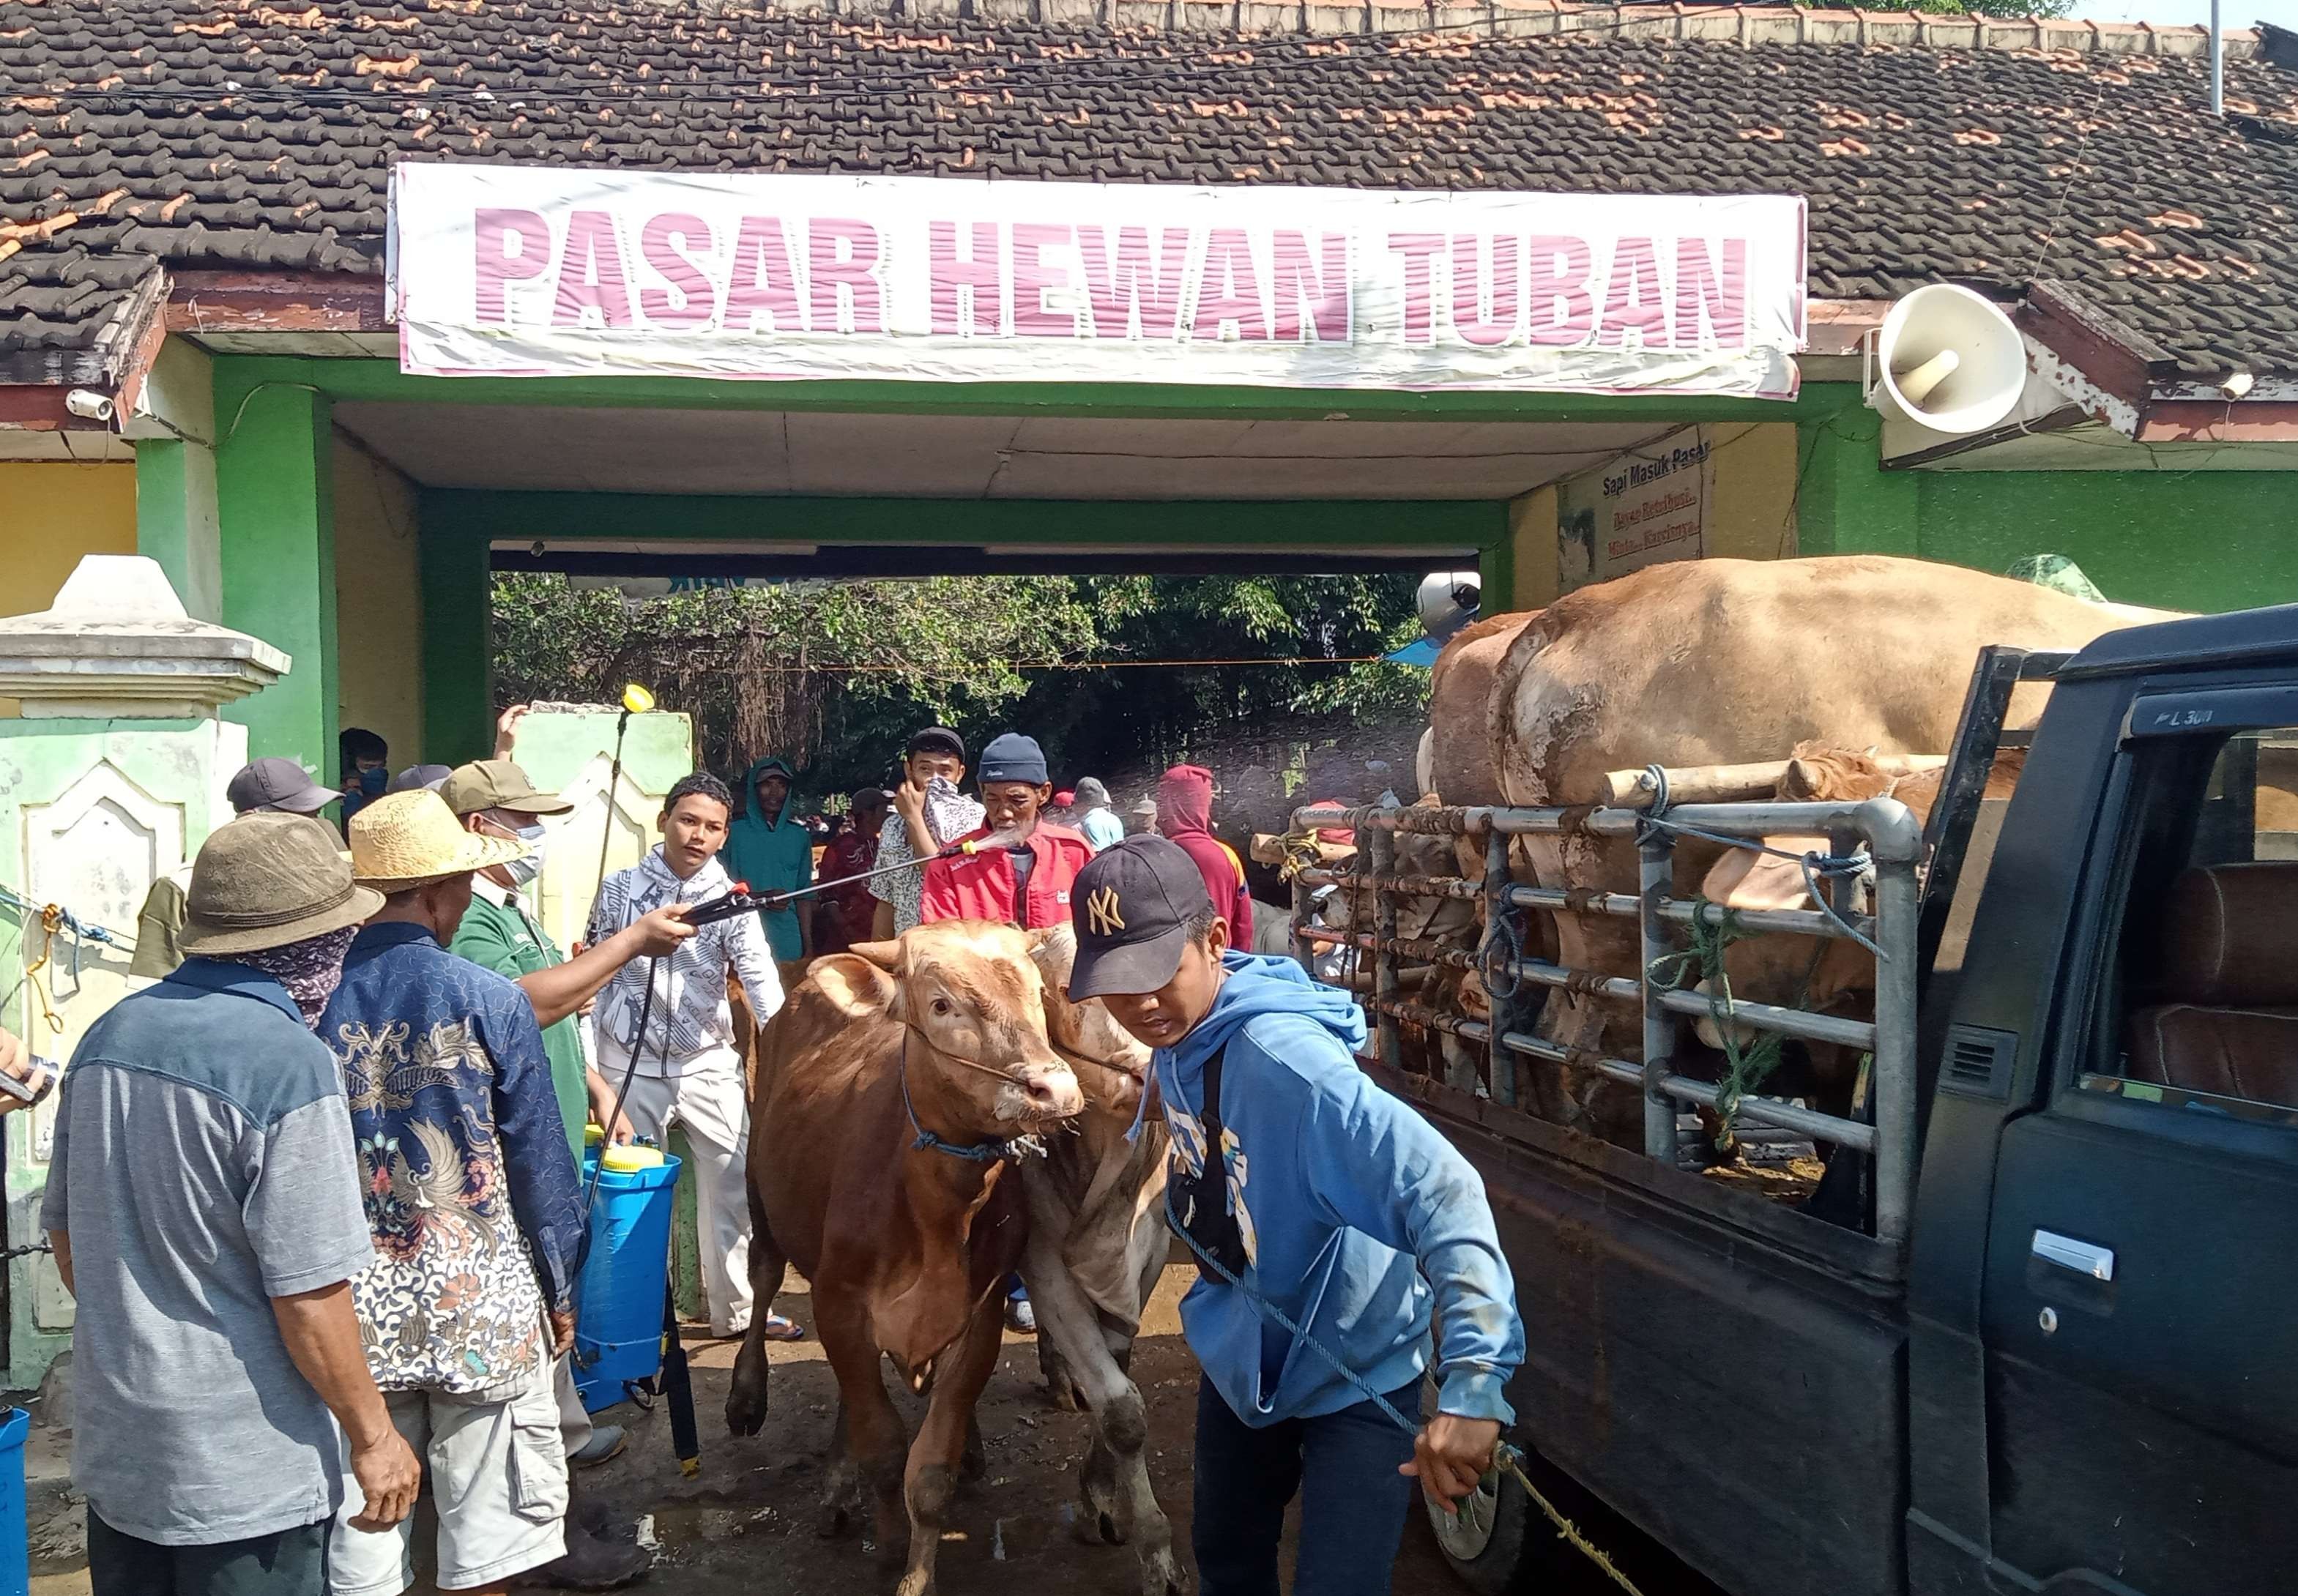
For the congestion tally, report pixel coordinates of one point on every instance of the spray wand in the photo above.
(742, 899)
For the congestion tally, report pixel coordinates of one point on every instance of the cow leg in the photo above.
(1116, 1501)
(938, 1452)
(873, 1424)
(746, 1397)
(1062, 1386)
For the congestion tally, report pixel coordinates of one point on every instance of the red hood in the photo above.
(1184, 800)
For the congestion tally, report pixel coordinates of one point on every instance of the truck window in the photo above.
(2197, 1005)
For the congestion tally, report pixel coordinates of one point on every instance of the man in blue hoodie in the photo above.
(769, 849)
(1332, 1203)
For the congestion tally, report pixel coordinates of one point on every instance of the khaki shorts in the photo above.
(498, 1477)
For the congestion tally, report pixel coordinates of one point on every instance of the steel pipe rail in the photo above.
(1897, 838)
(1416, 886)
(1681, 911)
(1762, 1016)
(1770, 1111)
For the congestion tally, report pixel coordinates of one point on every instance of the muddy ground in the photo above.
(748, 1523)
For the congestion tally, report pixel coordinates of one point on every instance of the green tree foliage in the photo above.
(836, 674)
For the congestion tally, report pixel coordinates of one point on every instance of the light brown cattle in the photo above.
(1458, 765)
(1722, 662)
(1818, 975)
(891, 1090)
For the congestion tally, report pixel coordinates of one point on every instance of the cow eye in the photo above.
(943, 1007)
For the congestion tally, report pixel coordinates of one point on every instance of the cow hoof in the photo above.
(833, 1521)
(1066, 1396)
(1160, 1575)
(745, 1415)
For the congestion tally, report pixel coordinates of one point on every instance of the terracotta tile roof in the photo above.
(258, 134)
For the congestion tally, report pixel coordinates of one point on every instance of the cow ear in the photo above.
(856, 987)
(1054, 950)
(1769, 882)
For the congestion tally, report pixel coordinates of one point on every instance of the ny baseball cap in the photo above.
(276, 784)
(1132, 907)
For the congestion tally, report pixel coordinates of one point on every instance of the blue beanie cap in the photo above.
(1013, 757)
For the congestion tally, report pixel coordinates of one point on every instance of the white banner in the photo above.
(548, 271)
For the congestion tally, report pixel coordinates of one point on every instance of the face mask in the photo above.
(522, 871)
(372, 783)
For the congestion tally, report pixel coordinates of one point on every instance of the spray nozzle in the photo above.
(993, 842)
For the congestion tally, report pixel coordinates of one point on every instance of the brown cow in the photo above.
(1097, 1245)
(1818, 975)
(1712, 662)
(890, 1091)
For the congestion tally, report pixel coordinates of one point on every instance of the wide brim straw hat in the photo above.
(405, 840)
(267, 879)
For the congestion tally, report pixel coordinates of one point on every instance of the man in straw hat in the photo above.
(473, 1202)
(203, 1184)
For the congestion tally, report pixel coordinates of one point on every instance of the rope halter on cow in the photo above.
(1012, 1150)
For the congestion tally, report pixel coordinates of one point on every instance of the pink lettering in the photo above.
(1633, 301)
(842, 267)
(1294, 281)
(1558, 308)
(1033, 276)
(591, 276)
(968, 291)
(694, 300)
(765, 282)
(1721, 295)
(492, 233)
(1420, 250)
(1468, 319)
(1153, 285)
(1229, 253)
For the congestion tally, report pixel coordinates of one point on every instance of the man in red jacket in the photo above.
(1184, 815)
(1026, 883)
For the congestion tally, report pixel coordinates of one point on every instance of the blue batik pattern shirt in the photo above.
(471, 1190)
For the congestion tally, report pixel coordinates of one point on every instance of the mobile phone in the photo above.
(24, 1091)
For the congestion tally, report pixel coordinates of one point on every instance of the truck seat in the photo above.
(2225, 1015)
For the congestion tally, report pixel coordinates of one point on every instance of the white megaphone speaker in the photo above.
(1949, 361)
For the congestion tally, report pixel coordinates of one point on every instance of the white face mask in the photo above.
(522, 871)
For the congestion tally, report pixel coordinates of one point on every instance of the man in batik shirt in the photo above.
(472, 1198)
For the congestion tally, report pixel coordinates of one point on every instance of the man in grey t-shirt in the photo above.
(204, 1176)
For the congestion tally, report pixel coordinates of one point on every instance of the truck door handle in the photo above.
(2092, 1262)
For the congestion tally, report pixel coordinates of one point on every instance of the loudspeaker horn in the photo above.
(1949, 360)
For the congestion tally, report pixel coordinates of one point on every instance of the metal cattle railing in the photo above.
(1880, 833)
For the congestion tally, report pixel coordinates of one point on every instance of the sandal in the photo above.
(778, 1328)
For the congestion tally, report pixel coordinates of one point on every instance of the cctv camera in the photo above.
(88, 404)
(2236, 386)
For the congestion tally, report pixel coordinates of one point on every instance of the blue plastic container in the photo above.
(15, 1557)
(618, 1299)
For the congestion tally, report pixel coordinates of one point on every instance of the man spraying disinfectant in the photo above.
(1331, 1203)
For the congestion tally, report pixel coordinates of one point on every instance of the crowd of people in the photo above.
(315, 1187)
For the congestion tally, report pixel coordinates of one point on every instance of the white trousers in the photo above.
(575, 1427)
(711, 1105)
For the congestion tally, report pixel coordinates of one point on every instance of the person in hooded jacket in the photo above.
(771, 849)
(1185, 815)
(1330, 1201)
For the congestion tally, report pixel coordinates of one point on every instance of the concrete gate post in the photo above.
(113, 776)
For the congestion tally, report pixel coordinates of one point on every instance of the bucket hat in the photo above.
(267, 879)
(405, 840)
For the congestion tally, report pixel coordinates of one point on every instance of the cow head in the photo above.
(1085, 1033)
(978, 1062)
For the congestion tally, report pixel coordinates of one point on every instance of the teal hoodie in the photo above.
(1357, 1217)
(772, 857)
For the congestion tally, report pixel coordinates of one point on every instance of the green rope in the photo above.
(1745, 1069)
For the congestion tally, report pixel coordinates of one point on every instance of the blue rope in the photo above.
(976, 1152)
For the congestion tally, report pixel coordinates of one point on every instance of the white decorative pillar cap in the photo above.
(116, 643)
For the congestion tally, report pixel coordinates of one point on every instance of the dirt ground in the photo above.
(748, 1523)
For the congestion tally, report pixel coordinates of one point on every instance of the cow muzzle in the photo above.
(1037, 1094)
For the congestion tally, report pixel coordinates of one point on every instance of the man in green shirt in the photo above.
(500, 931)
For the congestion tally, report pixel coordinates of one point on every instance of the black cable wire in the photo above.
(622, 1093)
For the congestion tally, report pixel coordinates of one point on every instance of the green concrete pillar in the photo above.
(176, 521)
(1496, 574)
(458, 654)
(274, 486)
(1845, 502)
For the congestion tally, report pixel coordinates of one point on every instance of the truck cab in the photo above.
(2104, 1273)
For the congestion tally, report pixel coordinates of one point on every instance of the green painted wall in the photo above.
(2178, 540)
